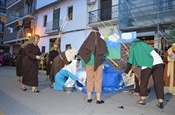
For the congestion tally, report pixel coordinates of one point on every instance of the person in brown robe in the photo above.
(60, 61)
(93, 53)
(19, 64)
(169, 70)
(20, 58)
(30, 65)
(137, 73)
(52, 54)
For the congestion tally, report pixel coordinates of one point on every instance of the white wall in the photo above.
(72, 34)
(39, 20)
(79, 14)
(44, 41)
(75, 39)
(41, 3)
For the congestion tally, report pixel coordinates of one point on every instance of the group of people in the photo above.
(27, 63)
(62, 67)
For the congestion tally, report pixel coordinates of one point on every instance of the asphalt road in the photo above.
(14, 101)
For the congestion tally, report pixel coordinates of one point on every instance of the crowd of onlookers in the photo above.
(8, 59)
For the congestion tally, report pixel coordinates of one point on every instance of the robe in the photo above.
(30, 65)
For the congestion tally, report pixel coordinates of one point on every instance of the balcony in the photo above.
(26, 12)
(11, 35)
(11, 2)
(53, 28)
(147, 14)
(108, 16)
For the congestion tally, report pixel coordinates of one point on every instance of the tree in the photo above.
(171, 35)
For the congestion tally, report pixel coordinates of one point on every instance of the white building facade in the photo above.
(51, 17)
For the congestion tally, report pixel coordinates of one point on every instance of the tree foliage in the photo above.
(171, 35)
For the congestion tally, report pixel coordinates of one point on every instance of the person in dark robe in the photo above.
(20, 58)
(52, 54)
(19, 64)
(60, 61)
(93, 53)
(136, 71)
(30, 65)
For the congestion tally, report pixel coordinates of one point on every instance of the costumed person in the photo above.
(144, 56)
(136, 71)
(60, 61)
(66, 76)
(52, 54)
(30, 65)
(169, 71)
(19, 59)
(19, 64)
(93, 53)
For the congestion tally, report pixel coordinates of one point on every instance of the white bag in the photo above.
(129, 79)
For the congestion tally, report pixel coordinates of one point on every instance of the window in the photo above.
(1, 27)
(56, 19)
(44, 20)
(43, 49)
(68, 46)
(70, 12)
(105, 13)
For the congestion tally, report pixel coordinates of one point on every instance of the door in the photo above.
(106, 10)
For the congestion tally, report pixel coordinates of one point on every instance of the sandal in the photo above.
(141, 102)
(160, 105)
(23, 88)
(18, 80)
(36, 91)
(135, 93)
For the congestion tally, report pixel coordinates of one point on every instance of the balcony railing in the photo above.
(10, 2)
(103, 14)
(8, 36)
(147, 13)
(53, 27)
(19, 14)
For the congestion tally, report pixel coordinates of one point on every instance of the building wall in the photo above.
(41, 3)
(75, 30)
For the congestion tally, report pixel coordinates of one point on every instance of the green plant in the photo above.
(171, 35)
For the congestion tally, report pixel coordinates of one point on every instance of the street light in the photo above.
(29, 35)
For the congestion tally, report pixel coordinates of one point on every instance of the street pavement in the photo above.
(14, 101)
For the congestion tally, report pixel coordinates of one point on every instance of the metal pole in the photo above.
(158, 27)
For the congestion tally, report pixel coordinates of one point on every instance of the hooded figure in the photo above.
(60, 61)
(52, 54)
(66, 76)
(169, 71)
(96, 45)
(93, 52)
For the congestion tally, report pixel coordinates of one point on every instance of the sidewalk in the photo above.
(14, 101)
